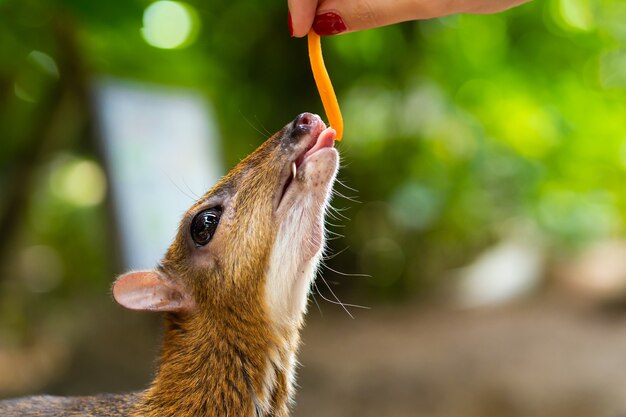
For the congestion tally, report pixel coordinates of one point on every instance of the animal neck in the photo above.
(234, 365)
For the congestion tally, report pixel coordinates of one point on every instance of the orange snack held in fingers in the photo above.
(324, 86)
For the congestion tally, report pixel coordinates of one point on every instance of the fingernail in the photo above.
(290, 23)
(329, 24)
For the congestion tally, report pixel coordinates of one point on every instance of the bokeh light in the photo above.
(415, 206)
(79, 181)
(22, 94)
(576, 14)
(170, 24)
(45, 62)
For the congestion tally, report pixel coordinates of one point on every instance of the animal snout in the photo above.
(306, 123)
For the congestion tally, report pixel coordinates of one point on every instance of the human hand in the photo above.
(331, 17)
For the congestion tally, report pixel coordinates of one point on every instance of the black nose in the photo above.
(303, 123)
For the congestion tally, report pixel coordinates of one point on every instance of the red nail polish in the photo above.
(290, 23)
(329, 24)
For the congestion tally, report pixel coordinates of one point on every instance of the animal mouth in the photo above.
(321, 138)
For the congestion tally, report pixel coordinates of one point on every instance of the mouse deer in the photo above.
(233, 288)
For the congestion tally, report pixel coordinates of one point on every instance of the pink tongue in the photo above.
(326, 139)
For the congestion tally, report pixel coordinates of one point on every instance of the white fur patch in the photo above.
(300, 238)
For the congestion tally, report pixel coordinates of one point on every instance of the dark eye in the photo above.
(204, 224)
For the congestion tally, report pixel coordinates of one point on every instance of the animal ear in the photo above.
(150, 291)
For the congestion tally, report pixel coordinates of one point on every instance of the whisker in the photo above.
(333, 211)
(340, 209)
(332, 232)
(335, 225)
(349, 198)
(190, 190)
(338, 216)
(332, 301)
(332, 216)
(344, 305)
(316, 303)
(333, 255)
(343, 163)
(346, 186)
(253, 126)
(183, 192)
(345, 274)
(266, 130)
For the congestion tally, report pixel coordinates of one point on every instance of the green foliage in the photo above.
(454, 126)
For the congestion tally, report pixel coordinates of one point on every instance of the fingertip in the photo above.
(301, 15)
(300, 33)
(301, 26)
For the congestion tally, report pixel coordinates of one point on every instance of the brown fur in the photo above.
(221, 348)
(49, 406)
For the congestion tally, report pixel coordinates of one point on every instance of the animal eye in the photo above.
(204, 224)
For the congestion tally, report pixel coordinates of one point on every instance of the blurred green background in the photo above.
(461, 134)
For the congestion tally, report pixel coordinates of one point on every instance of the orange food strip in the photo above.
(324, 86)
